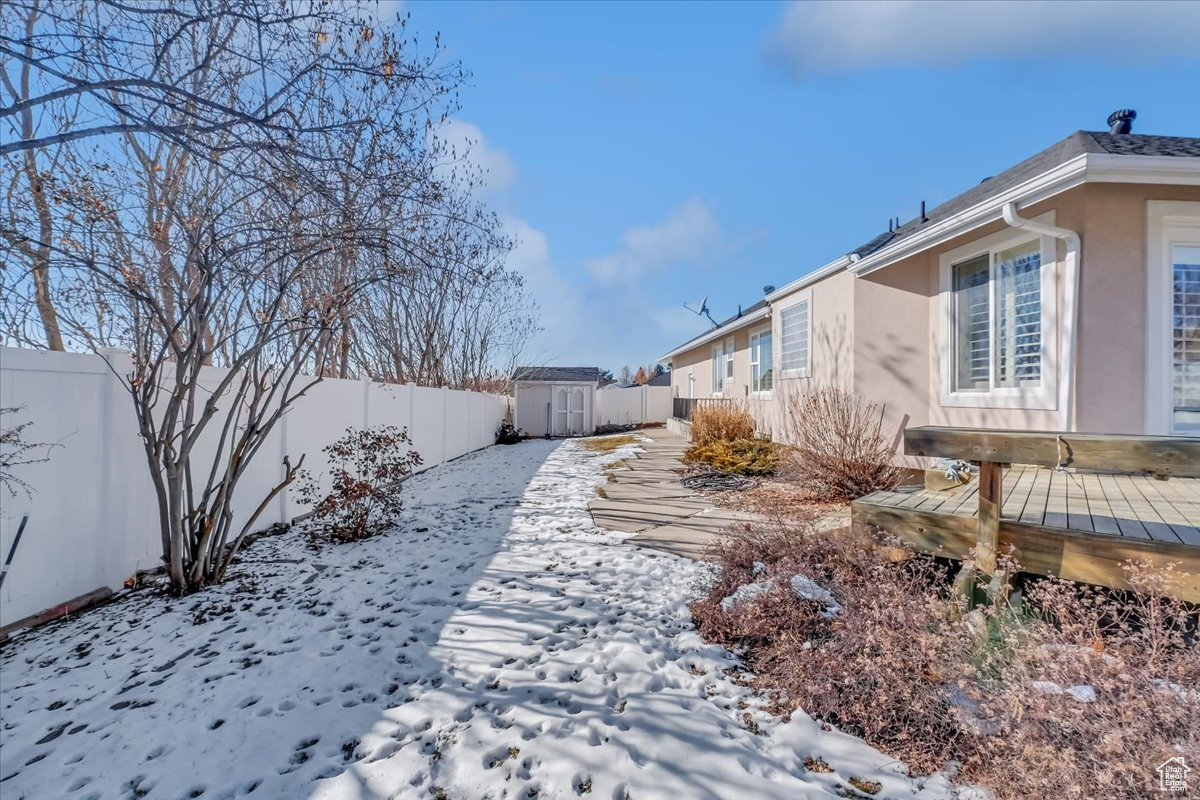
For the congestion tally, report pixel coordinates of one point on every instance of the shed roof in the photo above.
(571, 374)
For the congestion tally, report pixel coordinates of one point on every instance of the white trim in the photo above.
(769, 330)
(820, 273)
(716, 333)
(1163, 219)
(806, 370)
(555, 383)
(1093, 167)
(1044, 396)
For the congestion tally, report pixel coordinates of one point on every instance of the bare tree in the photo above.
(17, 451)
(269, 234)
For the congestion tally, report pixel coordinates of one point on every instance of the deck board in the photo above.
(1082, 526)
(1116, 505)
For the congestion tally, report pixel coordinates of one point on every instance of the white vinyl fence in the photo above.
(637, 405)
(93, 516)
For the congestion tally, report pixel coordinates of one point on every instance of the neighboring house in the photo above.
(556, 401)
(1062, 294)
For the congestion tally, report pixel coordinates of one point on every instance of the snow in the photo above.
(745, 593)
(1081, 693)
(806, 588)
(495, 644)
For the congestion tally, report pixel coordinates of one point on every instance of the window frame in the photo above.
(1169, 223)
(800, 298)
(1041, 397)
(721, 366)
(756, 333)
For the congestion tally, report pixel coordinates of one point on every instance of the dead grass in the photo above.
(606, 444)
(725, 422)
(773, 498)
(1077, 693)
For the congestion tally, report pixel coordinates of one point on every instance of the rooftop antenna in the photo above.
(702, 311)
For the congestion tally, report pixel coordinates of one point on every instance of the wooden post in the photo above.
(991, 497)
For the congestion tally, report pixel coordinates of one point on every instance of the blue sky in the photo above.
(647, 155)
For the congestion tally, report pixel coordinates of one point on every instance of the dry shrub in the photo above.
(720, 422)
(871, 669)
(366, 467)
(841, 451)
(1077, 693)
(1100, 686)
(740, 457)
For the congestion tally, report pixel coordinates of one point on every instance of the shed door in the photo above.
(570, 411)
(576, 411)
(562, 417)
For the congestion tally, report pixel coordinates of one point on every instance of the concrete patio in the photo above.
(644, 497)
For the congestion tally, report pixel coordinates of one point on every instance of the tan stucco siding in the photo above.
(885, 335)
(1111, 364)
(891, 361)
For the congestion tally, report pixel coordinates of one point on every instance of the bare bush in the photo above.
(720, 422)
(869, 669)
(1078, 693)
(367, 467)
(16, 451)
(840, 448)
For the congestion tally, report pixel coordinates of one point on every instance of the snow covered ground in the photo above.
(494, 645)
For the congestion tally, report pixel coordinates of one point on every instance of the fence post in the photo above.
(445, 419)
(365, 382)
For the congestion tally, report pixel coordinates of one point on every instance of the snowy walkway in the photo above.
(495, 645)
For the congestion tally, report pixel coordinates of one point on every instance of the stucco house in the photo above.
(1062, 294)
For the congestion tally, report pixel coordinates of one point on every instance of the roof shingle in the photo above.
(576, 374)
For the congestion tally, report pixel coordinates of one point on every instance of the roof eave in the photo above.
(837, 265)
(717, 333)
(1087, 167)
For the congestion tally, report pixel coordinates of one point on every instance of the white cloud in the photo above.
(825, 37)
(688, 235)
(469, 148)
(595, 317)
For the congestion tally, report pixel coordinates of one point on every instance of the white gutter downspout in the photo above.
(1066, 383)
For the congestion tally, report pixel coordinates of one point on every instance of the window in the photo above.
(793, 339)
(762, 374)
(728, 360)
(996, 314)
(1185, 338)
(1172, 387)
(718, 368)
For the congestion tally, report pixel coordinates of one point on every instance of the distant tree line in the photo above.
(626, 375)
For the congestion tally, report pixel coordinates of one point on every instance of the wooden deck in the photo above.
(1077, 525)
(1117, 505)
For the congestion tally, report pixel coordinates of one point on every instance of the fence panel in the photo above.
(93, 514)
(637, 405)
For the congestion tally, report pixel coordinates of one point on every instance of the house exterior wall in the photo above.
(1112, 359)
(884, 335)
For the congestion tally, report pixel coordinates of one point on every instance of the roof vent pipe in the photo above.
(923, 217)
(1121, 120)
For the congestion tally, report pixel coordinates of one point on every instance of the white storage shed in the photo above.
(556, 401)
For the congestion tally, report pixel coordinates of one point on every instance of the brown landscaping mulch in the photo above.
(773, 497)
